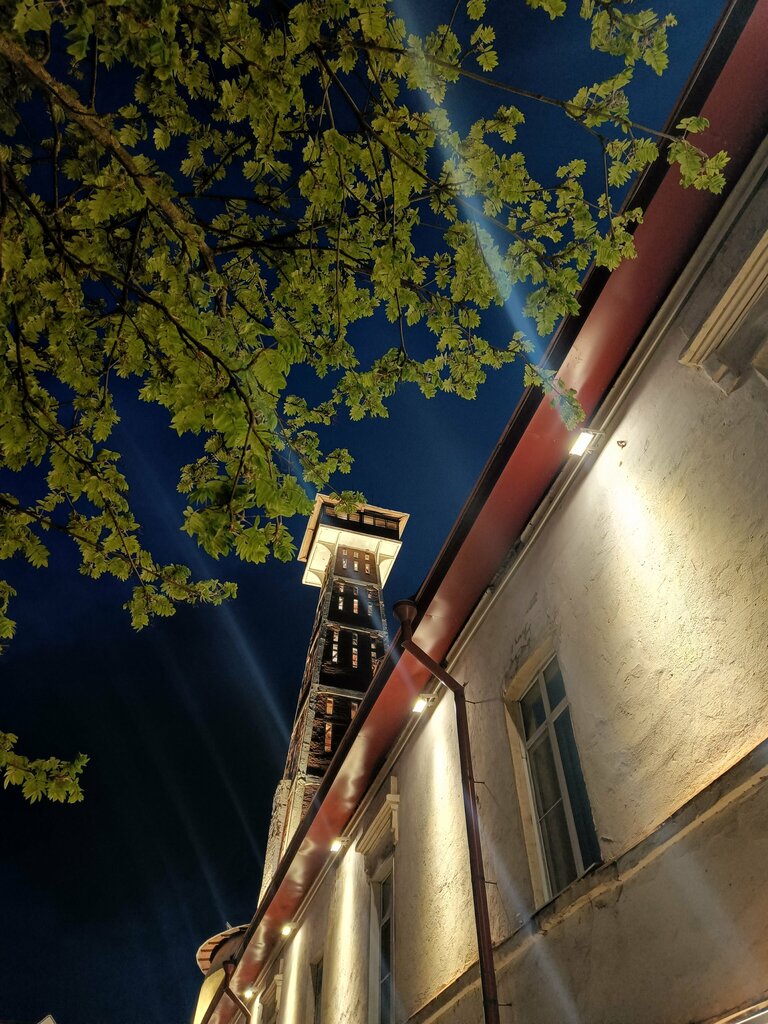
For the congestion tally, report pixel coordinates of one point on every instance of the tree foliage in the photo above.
(197, 196)
(44, 777)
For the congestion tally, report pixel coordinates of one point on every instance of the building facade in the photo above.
(606, 621)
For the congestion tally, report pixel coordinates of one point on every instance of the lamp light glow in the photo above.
(248, 993)
(582, 442)
(286, 930)
(419, 705)
(336, 845)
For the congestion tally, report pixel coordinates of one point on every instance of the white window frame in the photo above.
(385, 872)
(528, 674)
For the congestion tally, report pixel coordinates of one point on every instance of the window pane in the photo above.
(384, 966)
(577, 791)
(386, 897)
(385, 1001)
(557, 849)
(555, 686)
(532, 707)
(545, 785)
(317, 986)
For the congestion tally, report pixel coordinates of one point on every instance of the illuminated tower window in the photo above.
(374, 657)
(335, 647)
(355, 602)
(354, 650)
(356, 555)
(368, 562)
(328, 737)
(354, 705)
(329, 705)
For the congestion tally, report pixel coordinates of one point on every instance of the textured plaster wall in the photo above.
(650, 583)
(435, 936)
(679, 938)
(334, 928)
(345, 964)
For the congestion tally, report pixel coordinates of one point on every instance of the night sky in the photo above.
(104, 903)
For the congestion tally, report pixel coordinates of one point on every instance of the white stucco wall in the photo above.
(651, 584)
(435, 936)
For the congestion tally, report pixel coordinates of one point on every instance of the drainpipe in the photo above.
(406, 612)
(229, 970)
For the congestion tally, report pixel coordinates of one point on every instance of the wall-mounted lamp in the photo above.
(338, 844)
(586, 442)
(248, 993)
(422, 703)
(286, 930)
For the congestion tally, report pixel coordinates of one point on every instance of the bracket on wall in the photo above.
(733, 340)
(382, 833)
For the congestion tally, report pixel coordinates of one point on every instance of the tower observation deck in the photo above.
(348, 557)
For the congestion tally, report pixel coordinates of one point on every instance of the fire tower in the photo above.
(349, 557)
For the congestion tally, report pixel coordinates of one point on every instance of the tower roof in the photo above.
(370, 527)
(212, 947)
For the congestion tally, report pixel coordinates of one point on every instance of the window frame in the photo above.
(384, 873)
(531, 673)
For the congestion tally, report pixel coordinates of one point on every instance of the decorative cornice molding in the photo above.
(384, 826)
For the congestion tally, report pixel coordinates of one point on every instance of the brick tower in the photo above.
(349, 557)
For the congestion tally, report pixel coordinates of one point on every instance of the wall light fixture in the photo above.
(586, 441)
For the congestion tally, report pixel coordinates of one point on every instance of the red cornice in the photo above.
(590, 352)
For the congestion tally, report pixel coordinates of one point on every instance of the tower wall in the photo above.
(348, 557)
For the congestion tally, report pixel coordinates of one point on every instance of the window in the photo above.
(368, 562)
(382, 951)
(355, 601)
(354, 650)
(328, 737)
(340, 598)
(353, 706)
(561, 807)
(374, 658)
(335, 647)
(329, 705)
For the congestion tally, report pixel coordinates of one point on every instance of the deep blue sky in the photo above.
(105, 903)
